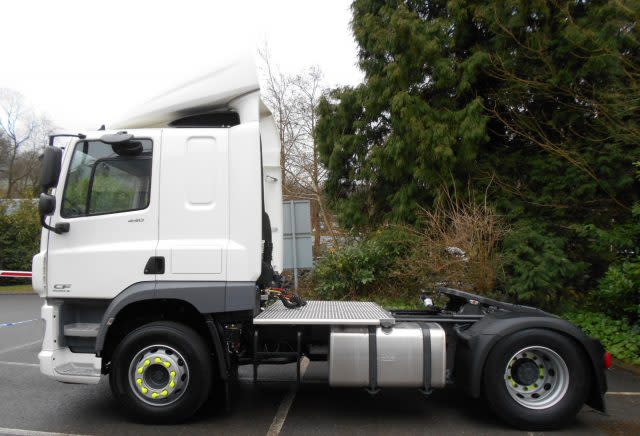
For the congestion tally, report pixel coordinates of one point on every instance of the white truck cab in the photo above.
(171, 209)
(160, 250)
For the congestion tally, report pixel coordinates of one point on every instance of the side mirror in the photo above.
(46, 206)
(51, 162)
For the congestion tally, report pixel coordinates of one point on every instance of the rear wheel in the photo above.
(161, 372)
(536, 379)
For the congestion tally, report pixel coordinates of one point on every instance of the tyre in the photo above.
(536, 379)
(161, 372)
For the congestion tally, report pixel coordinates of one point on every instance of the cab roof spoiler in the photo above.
(228, 88)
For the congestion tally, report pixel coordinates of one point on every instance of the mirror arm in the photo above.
(65, 135)
(46, 207)
(58, 229)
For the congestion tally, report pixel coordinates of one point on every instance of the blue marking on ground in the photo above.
(14, 323)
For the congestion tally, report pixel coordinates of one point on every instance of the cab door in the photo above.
(193, 234)
(109, 195)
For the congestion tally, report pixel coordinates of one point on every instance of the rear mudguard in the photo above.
(475, 343)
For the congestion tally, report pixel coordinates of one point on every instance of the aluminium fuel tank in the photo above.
(406, 355)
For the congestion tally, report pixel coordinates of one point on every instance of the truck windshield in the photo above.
(100, 181)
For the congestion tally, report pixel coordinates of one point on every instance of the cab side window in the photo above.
(104, 179)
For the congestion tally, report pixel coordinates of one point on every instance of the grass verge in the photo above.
(16, 289)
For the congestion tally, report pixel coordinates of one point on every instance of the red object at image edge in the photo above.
(608, 359)
(16, 274)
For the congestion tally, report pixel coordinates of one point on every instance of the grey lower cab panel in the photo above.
(401, 359)
(326, 313)
(205, 297)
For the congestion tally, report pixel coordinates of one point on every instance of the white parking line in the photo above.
(3, 362)
(20, 432)
(628, 394)
(17, 347)
(285, 405)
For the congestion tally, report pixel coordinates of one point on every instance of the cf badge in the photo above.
(61, 288)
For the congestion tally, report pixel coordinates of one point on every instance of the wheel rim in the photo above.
(158, 375)
(536, 377)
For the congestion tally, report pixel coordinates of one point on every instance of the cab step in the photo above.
(78, 369)
(82, 330)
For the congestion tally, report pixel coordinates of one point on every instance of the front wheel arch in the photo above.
(143, 312)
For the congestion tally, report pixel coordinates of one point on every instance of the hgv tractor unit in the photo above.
(159, 266)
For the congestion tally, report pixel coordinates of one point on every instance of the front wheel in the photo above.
(161, 372)
(536, 379)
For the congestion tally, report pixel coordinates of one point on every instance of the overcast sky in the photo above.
(86, 63)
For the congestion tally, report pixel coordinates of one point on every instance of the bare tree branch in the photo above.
(22, 135)
(293, 100)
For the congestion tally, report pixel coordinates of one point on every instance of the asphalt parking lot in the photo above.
(31, 403)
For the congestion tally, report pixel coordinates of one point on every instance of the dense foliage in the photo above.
(456, 244)
(619, 291)
(361, 267)
(534, 103)
(19, 236)
(618, 336)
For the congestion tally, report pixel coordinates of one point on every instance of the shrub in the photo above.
(537, 268)
(361, 266)
(618, 336)
(619, 291)
(457, 244)
(19, 236)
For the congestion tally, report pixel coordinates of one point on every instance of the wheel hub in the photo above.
(158, 375)
(525, 371)
(536, 377)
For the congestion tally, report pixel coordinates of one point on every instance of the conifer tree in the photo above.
(534, 102)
